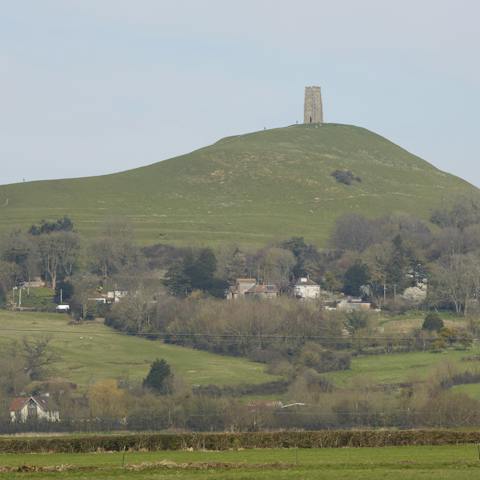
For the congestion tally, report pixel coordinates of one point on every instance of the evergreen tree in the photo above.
(201, 269)
(195, 272)
(177, 281)
(159, 377)
(356, 276)
(307, 258)
(397, 265)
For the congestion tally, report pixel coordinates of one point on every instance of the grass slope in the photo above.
(395, 368)
(248, 189)
(456, 462)
(401, 367)
(91, 351)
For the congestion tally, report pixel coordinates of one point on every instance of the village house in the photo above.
(240, 287)
(306, 289)
(35, 282)
(351, 304)
(262, 291)
(248, 287)
(115, 296)
(24, 409)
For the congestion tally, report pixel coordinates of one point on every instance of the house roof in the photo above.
(305, 281)
(263, 289)
(19, 402)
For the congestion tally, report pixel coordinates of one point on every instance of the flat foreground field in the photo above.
(456, 462)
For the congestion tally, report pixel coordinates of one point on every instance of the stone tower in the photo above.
(313, 111)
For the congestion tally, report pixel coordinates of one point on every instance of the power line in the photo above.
(192, 339)
(213, 335)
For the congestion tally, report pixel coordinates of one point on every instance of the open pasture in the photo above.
(453, 462)
(90, 351)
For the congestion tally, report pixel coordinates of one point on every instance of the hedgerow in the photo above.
(227, 441)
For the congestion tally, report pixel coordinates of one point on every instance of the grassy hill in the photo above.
(90, 352)
(248, 189)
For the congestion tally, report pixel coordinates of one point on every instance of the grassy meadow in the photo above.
(91, 351)
(411, 367)
(39, 298)
(472, 390)
(401, 367)
(454, 462)
(249, 189)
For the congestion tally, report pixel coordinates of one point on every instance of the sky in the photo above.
(90, 87)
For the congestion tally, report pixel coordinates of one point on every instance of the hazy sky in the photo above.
(96, 86)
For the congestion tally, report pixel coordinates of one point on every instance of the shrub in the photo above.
(322, 360)
(356, 320)
(345, 176)
(432, 322)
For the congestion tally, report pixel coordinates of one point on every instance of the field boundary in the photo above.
(232, 441)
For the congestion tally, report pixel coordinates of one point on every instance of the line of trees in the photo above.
(389, 258)
(396, 261)
(163, 402)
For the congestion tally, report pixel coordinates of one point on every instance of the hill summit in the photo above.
(247, 189)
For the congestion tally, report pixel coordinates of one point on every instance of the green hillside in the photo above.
(249, 189)
(91, 351)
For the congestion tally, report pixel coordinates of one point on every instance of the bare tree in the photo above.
(38, 356)
(19, 248)
(84, 287)
(13, 377)
(353, 232)
(115, 252)
(59, 252)
(457, 280)
(275, 265)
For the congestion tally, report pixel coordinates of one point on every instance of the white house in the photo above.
(33, 408)
(115, 296)
(306, 289)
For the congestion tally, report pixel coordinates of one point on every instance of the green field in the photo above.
(472, 390)
(412, 320)
(250, 189)
(38, 298)
(394, 368)
(413, 367)
(402, 367)
(91, 351)
(458, 462)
